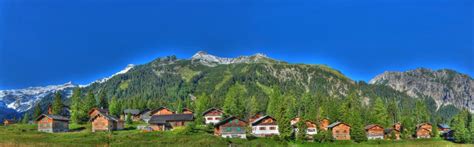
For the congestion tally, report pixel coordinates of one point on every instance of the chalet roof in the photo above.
(211, 109)
(336, 124)
(227, 120)
(105, 111)
(106, 116)
(131, 111)
(418, 125)
(443, 126)
(371, 126)
(53, 116)
(161, 108)
(161, 119)
(257, 121)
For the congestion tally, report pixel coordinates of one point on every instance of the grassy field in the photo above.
(26, 135)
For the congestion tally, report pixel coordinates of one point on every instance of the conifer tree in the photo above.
(77, 114)
(25, 119)
(102, 100)
(253, 106)
(114, 108)
(379, 113)
(202, 104)
(392, 110)
(37, 111)
(89, 102)
(459, 125)
(273, 102)
(57, 104)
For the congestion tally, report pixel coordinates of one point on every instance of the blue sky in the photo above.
(55, 41)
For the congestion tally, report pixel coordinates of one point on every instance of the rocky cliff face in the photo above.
(444, 86)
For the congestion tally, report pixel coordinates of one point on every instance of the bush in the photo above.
(323, 136)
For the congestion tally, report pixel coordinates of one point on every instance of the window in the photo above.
(345, 131)
(272, 128)
(239, 129)
(337, 131)
(228, 129)
(262, 128)
(209, 118)
(311, 130)
(236, 121)
(217, 118)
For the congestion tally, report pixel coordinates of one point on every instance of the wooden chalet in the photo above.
(212, 115)
(311, 127)
(423, 130)
(396, 129)
(324, 123)
(105, 122)
(231, 127)
(134, 113)
(52, 123)
(265, 126)
(95, 111)
(7, 122)
(374, 131)
(161, 111)
(187, 111)
(169, 121)
(340, 131)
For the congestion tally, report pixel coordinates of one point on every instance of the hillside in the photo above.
(176, 83)
(446, 87)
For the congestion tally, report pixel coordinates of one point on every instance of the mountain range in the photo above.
(168, 80)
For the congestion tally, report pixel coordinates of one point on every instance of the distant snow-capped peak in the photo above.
(24, 99)
(211, 60)
(125, 70)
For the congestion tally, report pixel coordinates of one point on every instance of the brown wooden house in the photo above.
(169, 121)
(396, 129)
(340, 131)
(161, 111)
(105, 122)
(231, 127)
(255, 117)
(212, 116)
(374, 131)
(7, 122)
(324, 123)
(311, 127)
(52, 123)
(423, 130)
(134, 114)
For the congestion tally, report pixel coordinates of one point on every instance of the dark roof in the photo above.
(371, 126)
(443, 126)
(53, 116)
(161, 119)
(131, 111)
(337, 123)
(260, 119)
(108, 117)
(211, 109)
(227, 120)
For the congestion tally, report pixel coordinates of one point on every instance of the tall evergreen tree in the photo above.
(25, 119)
(253, 106)
(89, 102)
(57, 104)
(102, 100)
(459, 125)
(202, 104)
(379, 113)
(392, 110)
(77, 115)
(114, 108)
(37, 111)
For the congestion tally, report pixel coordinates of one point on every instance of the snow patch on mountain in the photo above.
(22, 100)
(211, 60)
(125, 70)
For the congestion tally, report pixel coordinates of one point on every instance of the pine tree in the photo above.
(301, 134)
(379, 113)
(77, 114)
(25, 119)
(458, 124)
(37, 111)
(392, 110)
(114, 108)
(435, 132)
(179, 106)
(128, 119)
(102, 100)
(89, 102)
(202, 104)
(58, 104)
(253, 106)
(273, 102)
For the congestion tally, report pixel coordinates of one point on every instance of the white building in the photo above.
(265, 126)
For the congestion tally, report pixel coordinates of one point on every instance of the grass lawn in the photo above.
(26, 135)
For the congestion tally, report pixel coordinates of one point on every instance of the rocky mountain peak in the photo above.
(445, 86)
(211, 60)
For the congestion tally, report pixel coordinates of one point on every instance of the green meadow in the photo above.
(80, 135)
